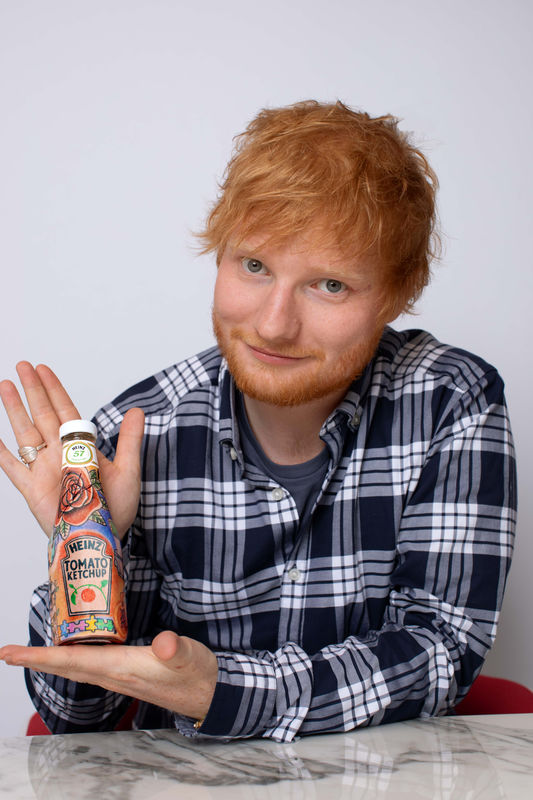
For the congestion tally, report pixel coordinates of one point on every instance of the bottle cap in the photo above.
(77, 426)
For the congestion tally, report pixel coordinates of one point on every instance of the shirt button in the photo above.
(294, 574)
(356, 420)
(233, 454)
(277, 493)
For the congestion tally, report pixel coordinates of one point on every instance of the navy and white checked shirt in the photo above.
(382, 610)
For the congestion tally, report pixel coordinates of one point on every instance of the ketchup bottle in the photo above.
(87, 601)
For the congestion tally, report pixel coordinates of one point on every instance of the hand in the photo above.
(175, 672)
(50, 406)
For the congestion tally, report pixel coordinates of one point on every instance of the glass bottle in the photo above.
(86, 575)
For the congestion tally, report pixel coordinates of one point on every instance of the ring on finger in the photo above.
(28, 453)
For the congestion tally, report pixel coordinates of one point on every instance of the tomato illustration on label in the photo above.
(86, 570)
(87, 593)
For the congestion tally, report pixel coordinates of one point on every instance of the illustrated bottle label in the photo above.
(87, 598)
(87, 576)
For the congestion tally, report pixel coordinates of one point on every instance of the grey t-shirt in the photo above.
(302, 481)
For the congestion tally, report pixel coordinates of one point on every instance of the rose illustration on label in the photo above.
(79, 497)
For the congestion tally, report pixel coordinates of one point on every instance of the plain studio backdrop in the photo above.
(117, 118)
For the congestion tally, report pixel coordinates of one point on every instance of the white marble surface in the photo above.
(439, 759)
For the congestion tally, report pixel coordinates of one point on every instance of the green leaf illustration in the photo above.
(104, 583)
(95, 479)
(97, 517)
(73, 598)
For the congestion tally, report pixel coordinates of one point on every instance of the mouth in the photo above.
(271, 357)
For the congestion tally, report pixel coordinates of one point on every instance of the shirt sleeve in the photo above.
(453, 554)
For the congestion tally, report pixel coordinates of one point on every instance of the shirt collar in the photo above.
(227, 429)
(345, 418)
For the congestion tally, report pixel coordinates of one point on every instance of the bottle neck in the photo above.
(79, 451)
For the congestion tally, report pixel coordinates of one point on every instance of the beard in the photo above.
(292, 385)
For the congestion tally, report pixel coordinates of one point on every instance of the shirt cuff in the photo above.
(243, 703)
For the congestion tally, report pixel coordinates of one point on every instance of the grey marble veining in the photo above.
(445, 759)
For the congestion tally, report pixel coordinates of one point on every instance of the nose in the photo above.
(277, 318)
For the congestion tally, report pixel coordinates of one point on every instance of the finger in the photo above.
(38, 658)
(173, 650)
(12, 653)
(112, 667)
(58, 396)
(166, 647)
(42, 412)
(14, 469)
(23, 428)
(52, 660)
(77, 663)
(196, 666)
(130, 438)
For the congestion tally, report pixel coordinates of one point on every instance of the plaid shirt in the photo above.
(382, 610)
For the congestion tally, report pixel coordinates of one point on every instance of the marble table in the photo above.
(438, 759)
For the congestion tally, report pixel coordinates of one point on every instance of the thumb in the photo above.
(130, 437)
(169, 648)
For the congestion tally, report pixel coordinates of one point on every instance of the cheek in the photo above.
(230, 301)
(221, 297)
(346, 332)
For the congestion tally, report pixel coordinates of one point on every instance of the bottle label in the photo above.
(86, 571)
(80, 453)
(86, 574)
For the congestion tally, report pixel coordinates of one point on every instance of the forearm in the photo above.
(395, 673)
(69, 707)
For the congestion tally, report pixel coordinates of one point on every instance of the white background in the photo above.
(116, 122)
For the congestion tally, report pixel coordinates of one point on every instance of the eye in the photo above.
(253, 266)
(331, 286)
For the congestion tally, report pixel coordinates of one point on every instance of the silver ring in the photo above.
(28, 454)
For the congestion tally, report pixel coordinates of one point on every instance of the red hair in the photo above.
(341, 178)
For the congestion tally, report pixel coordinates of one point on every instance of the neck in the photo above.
(290, 435)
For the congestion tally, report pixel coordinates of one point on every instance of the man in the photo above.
(327, 506)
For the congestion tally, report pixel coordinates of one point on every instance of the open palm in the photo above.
(49, 406)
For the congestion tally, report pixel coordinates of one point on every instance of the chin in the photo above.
(292, 386)
(266, 386)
